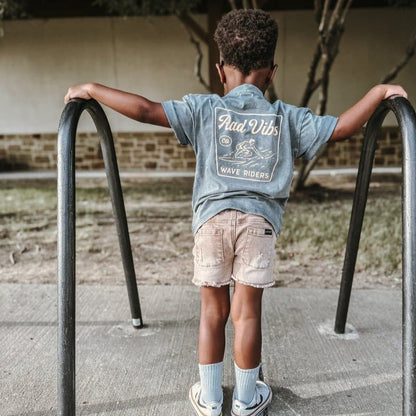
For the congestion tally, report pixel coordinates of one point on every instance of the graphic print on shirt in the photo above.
(247, 145)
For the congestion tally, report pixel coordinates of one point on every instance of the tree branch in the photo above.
(324, 17)
(410, 51)
(323, 92)
(344, 14)
(246, 4)
(318, 7)
(331, 28)
(191, 24)
(198, 63)
(199, 58)
(2, 10)
(309, 166)
(310, 86)
(335, 17)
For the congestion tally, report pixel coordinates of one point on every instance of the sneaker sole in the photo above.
(195, 405)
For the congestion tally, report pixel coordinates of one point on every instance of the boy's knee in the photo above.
(244, 315)
(215, 311)
(215, 304)
(246, 304)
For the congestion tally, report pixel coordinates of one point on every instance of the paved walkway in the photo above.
(147, 372)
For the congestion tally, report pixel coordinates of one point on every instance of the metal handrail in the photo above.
(406, 119)
(66, 239)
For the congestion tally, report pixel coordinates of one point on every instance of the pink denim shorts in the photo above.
(236, 246)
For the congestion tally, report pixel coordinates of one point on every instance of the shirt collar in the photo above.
(245, 89)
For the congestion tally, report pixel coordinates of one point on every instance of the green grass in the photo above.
(41, 197)
(317, 230)
(15, 200)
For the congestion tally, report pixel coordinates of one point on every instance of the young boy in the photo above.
(245, 149)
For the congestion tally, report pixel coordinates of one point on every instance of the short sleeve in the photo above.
(181, 119)
(314, 132)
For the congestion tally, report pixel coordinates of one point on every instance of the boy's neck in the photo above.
(232, 78)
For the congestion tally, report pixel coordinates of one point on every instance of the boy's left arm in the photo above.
(355, 117)
(130, 105)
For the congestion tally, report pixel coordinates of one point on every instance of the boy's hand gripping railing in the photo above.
(66, 239)
(406, 118)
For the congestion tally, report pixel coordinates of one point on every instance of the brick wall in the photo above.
(161, 152)
(388, 153)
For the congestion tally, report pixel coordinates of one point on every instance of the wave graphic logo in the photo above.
(247, 145)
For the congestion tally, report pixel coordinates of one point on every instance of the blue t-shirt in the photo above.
(245, 149)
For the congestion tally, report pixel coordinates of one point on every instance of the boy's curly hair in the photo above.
(247, 39)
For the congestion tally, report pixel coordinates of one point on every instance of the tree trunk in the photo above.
(330, 29)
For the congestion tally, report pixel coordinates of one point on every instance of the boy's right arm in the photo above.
(131, 105)
(355, 117)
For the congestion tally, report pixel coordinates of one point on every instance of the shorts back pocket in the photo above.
(208, 249)
(259, 249)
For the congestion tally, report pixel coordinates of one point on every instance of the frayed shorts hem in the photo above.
(256, 285)
(200, 283)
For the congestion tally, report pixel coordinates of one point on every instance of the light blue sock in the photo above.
(245, 383)
(211, 380)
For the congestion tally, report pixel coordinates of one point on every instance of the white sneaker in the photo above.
(261, 400)
(202, 408)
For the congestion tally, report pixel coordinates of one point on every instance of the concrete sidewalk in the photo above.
(147, 372)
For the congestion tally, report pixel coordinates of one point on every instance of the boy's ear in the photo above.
(221, 73)
(271, 74)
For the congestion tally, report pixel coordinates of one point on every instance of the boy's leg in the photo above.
(215, 309)
(246, 317)
(250, 395)
(213, 259)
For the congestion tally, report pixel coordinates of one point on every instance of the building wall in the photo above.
(154, 57)
(40, 59)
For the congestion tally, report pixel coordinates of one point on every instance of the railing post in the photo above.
(117, 201)
(66, 239)
(407, 121)
(406, 118)
(357, 216)
(66, 267)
